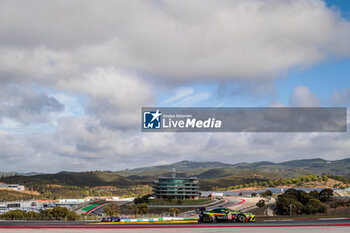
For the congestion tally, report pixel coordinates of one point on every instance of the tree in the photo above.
(46, 214)
(14, 215)
(314, 194)
(143, 199)
(325, 178)
(141, 208)
(325, 194)
(300, 202)
(72, 216)
(314, 206)
(133, 209)
(267, 193)
(260, 203)
(112, 209)
(86, 193)
(174, 211)
(271, 183)
(285, 204)
(59, 212)
(253, 194)
(31, 215)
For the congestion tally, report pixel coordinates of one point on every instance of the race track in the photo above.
(86, 225)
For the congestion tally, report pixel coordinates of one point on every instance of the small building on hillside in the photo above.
(15, 187)
(176, 187)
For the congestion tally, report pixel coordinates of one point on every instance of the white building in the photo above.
(20, 205)
(15, 187)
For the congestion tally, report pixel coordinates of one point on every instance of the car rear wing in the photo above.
(200, 210)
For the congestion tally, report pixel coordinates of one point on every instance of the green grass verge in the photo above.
(90, 207)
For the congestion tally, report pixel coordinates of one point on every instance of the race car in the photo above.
(224, 215)
(111, 219)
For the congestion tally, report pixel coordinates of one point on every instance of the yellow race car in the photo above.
(224, 215)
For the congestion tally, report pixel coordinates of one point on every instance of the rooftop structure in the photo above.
(16, 187)
(176, 187)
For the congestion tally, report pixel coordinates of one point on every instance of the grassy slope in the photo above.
(9, 195)
(211, 173)
(80, 179)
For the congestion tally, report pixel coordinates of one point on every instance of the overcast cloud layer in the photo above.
(110, 58)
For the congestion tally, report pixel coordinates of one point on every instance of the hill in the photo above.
(80, 179)
(211, 173)
(264, 169)
(338, 167)
(10, 195)
(311, 166)
(183, 166)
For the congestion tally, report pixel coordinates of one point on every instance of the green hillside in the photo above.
(208, 170)
(80, 179)
(10, 195)
(212, 174)
(313, 166)
(264, 170)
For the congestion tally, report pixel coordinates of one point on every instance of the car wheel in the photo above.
(241, 218)
(207, 219)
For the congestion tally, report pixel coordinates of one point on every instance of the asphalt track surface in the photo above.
(309, 226)
(86, 225)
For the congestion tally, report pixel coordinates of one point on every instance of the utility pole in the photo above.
(290, 209)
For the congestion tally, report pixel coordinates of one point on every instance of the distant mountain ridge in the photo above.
(89, 179)
(5, 174)
(183, 166)
(302, 163)
(211, 173)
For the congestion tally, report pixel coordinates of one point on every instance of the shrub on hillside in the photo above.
(299, 202)
(260, 203)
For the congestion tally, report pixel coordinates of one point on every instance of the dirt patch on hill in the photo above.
(330, 183)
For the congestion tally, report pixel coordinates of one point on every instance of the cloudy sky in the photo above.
(75, 74)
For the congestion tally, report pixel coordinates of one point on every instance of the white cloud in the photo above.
(115, 96)
(115, 54)
(8, 124)
(303, 97)
(25, 105)
(82, 144)
(341, 98)
(178, 41)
